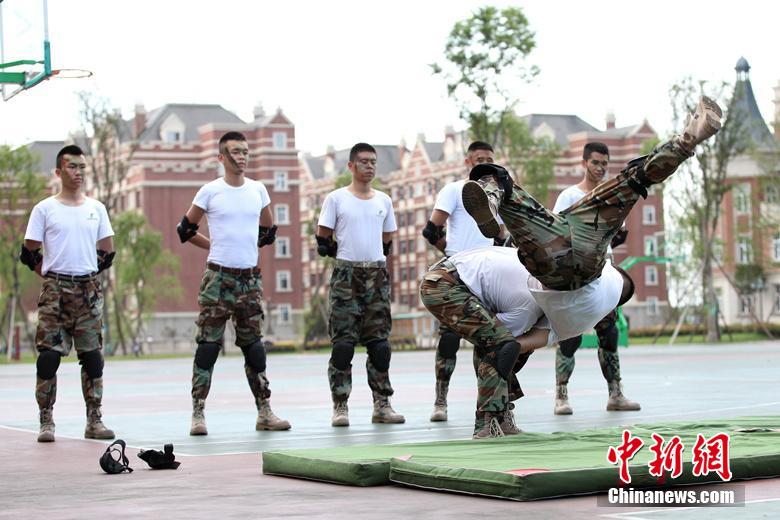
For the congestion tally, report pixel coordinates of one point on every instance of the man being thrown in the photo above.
(565, 253)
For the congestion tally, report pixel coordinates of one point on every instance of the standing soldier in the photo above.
(462, 234)
(231, 286)
(362, 221)
(70, 226)
(595, 159)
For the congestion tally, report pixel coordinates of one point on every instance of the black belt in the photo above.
(233, 270)
(71, 277)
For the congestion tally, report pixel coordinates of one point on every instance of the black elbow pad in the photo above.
(30, 258)
(386, 247)
(266, 236)
(433, 233)
(186, 229)
(619, 238)
(105, 259)
(326, 246)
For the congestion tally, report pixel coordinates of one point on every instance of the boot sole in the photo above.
(438, 417)
(623, 408)
(261, 428)
(476, 204)
(102, 437)
(712, 114)
(196, 433)
(377, 420)
(563, 412)
(339, 424)
(46, 437)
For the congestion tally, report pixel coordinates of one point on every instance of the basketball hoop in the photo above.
(71, 73)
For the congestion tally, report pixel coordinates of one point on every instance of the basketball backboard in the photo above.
(25, 54)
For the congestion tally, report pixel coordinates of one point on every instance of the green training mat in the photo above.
(532, 466)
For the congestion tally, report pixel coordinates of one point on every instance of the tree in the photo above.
(109, 146)
(702, 185)
(142, 267)
(486, 67)
(21, 188)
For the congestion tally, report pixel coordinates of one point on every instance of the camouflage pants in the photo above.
(70, 314)
(451, 302)
(445, 366)
(568, 250)
(359, 300)
(607, 333)
(224, 296)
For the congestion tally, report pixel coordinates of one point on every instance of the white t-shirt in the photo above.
(358, 224)
(233, 215)
(69, 234)
(495, 276)
(572, 313)
(567, 198)
(462, 231)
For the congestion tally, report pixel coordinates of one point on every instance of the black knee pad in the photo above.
(569, 346)
(379, 354)
(206, 355)
(92, 362)
(341, 355)
(47, 364)
(254, 355)
(607, 332)
(449, 343)
(506, 357)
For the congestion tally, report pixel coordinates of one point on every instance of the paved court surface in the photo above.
(147, 403)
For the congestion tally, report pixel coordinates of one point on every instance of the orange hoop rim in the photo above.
(71, 73)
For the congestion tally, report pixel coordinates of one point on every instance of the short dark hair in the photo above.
(479, 145)
(71, 149)
(360, 147)
(230, 136)
(595, 146)
(628, 286)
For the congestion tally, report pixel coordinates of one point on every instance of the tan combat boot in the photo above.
(267, 419)
(46, 433)
(617, 402)
(562, 406)
(383, 412)
(340, 414)
(482, 208)
(198, 426)
(702, 124)
(440, 404)
(507, 422)
(492, 427)
(95, 428)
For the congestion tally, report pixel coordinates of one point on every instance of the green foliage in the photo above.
(486, 68)
(143, 271)
(21, 187)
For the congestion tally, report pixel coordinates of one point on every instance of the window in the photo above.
(420, 217)
(283, 281)
(745, 304)
(648, 215)
(652, 306)
(172, 136)
(280, 140)
(776, 306)
(401, 220)
(403, 274)
(772, 194)
(744, 251)
(418, 189)
(402, 247)
(282, 247)
(413, 273)
(282, 214)
(284, 312)
(281, 181)
(742, 198)
(651, 246)
(651, 275)
(410, 247)
(776, 248)
(404, 299)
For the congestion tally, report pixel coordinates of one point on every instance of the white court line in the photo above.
(632, 515)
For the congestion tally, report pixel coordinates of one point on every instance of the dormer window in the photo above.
(172, 130)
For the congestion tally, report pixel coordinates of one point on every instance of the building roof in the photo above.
(191, 116)
(561, 126)
(388, 159)
(435, 151)
(47, 151)
(744, 102)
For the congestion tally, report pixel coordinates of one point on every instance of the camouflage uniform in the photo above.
(359, 314)
(70, 314)
(229, 295)
(568, 250)
(453, 304)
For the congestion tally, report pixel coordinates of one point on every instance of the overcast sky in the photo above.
(347, 71)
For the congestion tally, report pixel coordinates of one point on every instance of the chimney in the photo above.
(449, 148)
(139, 120)
(402, 152)
(777, 111)
(610, 119)
(329, 166)
(258, 111)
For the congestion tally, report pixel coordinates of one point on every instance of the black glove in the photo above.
(619, 238)
(386, 247)
(158, 459)
(266, 236)
(326, 246)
